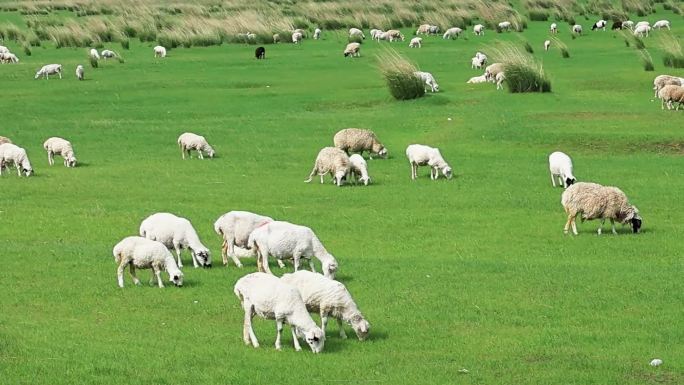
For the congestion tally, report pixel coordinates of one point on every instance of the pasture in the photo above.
(471, 273)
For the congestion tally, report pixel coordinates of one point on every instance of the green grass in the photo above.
(470, 273)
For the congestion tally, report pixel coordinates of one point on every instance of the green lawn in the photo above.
(471, 273)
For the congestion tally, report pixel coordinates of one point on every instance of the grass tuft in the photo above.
(646, 60)
(399, 76)
(562, 47)
(673, 56)
(523, 74)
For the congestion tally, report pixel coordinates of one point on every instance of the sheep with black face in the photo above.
(260, 53)
(594, 201)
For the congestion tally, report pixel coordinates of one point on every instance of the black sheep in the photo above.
(260, 53)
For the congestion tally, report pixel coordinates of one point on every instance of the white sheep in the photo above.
(297, 37)
(433, 30)
(670, 94)
(577, 29)
(189, 141)
(10, 153)
(492, 70)
(594, 201)
(601, 24)
(451, 32)
(560, 166)
(661, 24)
(61, 147)
(352, 50)
(271, 298)
(94, 54)
(284, 240)
(475, 63)
(553, 28)
(628, 24)
(500, 77)
(661, 81)
(358, 169)
(505, 26)
(423, 29)
(176, 233)
(547, 44)
(79, 72)
(49, 69)
(478, 29)
(477, 79)
(374, 33)
(359, 140)
(276, 38)
(138, 252)
(8, 57)
(108, 54)
(639, 24)
(329, 298)
(428, 79)
(421, 155)
(392, 35)
(333, 161)
(356, 33)
(4, 49)
(416, 42)
(234, 227)
(159, 51)
(642, 30)
(317, 34)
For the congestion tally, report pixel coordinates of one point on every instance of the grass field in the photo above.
(473, 273)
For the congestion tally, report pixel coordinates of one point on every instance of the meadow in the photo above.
(470, 273)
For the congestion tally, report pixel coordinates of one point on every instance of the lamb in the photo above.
(428, 79)
(661, 81)
(284, 240)
(49, 69)
(317, 34)
(594, 201)
(276, 38)
(10, 153)
(547, 44)
(329, 298)
(492, 70)
(271, 298)
(138, 252)
(4, 140)
(356, 33)
(108, 54)
(177, 233)
(189, 141)
(554, 28)
(628, 24)
(421, 155)
(79, 72)
(642, 30)
(577, 29)
(477, 79)
(500, 77)
(359, 140)
(297, 37)
(331, 160)
(260, 53)
(94, 54)
(504, 26)
(159, 51)
(560, 166)
(358, 169)
(235, 227)
(671, 94)
(352, 49)
(476, 63)
(661, 24)
(61, 147)
(451, 32)
(601, 24)
(416, 42)
(478, 29)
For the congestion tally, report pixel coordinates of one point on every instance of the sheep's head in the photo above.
(636, 220)
(365, 180)
(210, 151)
(203, 257)
(446, 171)
(37, 75)
(361, 327)
(71, 161)
(346, 53)
(379, 149)
(569, 181)
(330, 269)
(176, 278)
(316, 339)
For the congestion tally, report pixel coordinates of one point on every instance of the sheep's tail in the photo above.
(313, 172)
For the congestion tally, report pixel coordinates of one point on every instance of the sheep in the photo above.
(661, 81)
(478, 29)
(284, 240)
(79, 72)
(260, 53)
(416, 42)
(477, 79)
(299, 30)
(374, 33)
(676, 97)
(108, 54)
(359, 140)
(297, 37)
(433, 30)
(492, 70)
(246, 37)
(601, 24)
(358, 169)
(352, 50)
(478, 61)
(4, 140)
(628, 24)
(60, 147)
(617, 25)
(560, 166)
(276, 38)
(317, 34)
(421, 155)
(500, 77)
(577, 29)
(4, 49)
(8, 57)
(669, 94)
(504, 26)
(49, 69)
(159, 51)
(393, 35)
(451, 32)
(554, 28)
(177, 233)
(356, 33)
(428, 79)
(482, 57)
(661, 24)
(189, 141)
(10, 153)
(642, 30)
(270, 298)
(423, 29)
(639, 24)
(329, 298)
(331, 160)
(138, 252)
(594, 201)
(234, 227)
(94, 54)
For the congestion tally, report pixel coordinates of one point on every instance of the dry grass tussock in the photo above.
(673, 55)
(523, 73)
(398, 72)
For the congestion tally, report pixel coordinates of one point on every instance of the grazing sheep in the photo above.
(478, 29)
(138, 252)
(601, 24)
(554, 28)
(547, 44)
(423, 29)
(297, 37)
(159, 51)
(284, 240)
(8, 57)
(428, 79)
(451, 32)
(4, 140)
(359, 140)
(276, 38)
(94, 54)
(352, 49)
(49, 69)
(189, 141)
(560, 166)
(10, 153)
(642, 30)
(356, 33)
(108, 54)
(416, 42)
(3, 49)
(577, 29)
(79, 72)
(500, 77)
(331, 160)
(300, 30)
(492, 70)
(270, 298)
(329, 298)
(505, 26)
(177, 233)
(433, 30)
(421, 155)
(393, 35)
(661, 81)
(661, 24)
(671, 94)
(594, 201)
(616, 25)
(61, 147)
(235, 227)
(358, 169)
(374, 33)
(260, 53)
(317, 34)
(478, 61)
(477, 79)
(628, 24)
(639, 24)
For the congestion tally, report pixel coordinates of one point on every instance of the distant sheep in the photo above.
(260, 53)
(108, 54)
(356, 33)
(617, 25)
(189, 141)
(547, 44)
(479, 60)
(492, 70)
(374, 33)
(433, 30)
(61, 147)
(79, 72)
(416, 42)
(577, 29)
(94, 54)
(478, 29)
(141, 253)
(671, 94)
(159, 51)
(594, 201)
(423, 29)
(12, 154)
(661, 24)
(359, 140)
(554, 28)
(393, 35)
(500, 77)
(358, 169)
(176, 233)
(297, 37)
(48, 70)
(504, 26)
(4, 49)
(333, 161)
(661, 81)
(477, 79)
(352, 50)
(560, 166)
(8, 57)
(601, 24)
(276, 38)
(421, 155)
(642, 30)
(628, 24)
(234, 227)
(428, 80)
(317, 34)
(452, 32)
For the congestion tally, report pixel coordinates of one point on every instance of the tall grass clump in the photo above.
(27, 48)
(398, 73)
(672, 51)
(640, 7)
(538, 14)
(646, 60)
(562, 47)
(125, 43)
(523, 74)
(528, 47)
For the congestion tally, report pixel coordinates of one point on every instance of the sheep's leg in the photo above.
(120, 271)
(295, 260)
(279, 332)
(157, 272)
(343, 335)
(601, 226)
(567, 223)
(612, 226)
(281, 264)
(199, 152)
(247, 332)
(194, 259)
(553, 180)
(295, 340)
(233, 256)
(259, 261)
(182, 152)
(574, 225)
(311, 265)
(131, 270)
(60, 74)
(178, 254)
(224, 252)
(264, 263)
(51, 158)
